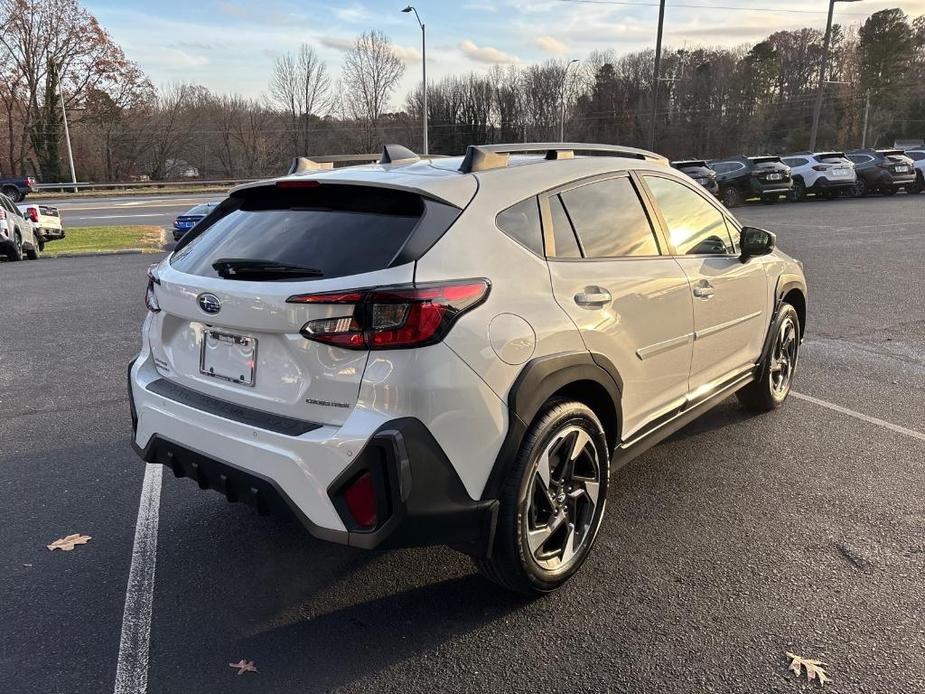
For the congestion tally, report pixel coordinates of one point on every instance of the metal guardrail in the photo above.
(336, 159)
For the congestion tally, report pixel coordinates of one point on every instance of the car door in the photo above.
(631, 304)
(730, 298)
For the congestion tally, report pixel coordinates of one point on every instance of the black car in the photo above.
(741, 178)
(882, 170)
(188, 219)
(700, 172)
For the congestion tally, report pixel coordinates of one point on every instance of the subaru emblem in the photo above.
(209, 303)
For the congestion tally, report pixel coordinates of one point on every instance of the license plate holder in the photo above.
(840, 172)
(775, 177)
(229, 357)
(902, 168)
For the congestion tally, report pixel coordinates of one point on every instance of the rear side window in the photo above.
(860, 158)
(337, 229)
(609, 219)
(522, 223)
(695, 226)
(563, 234)
(916, 156)
(795, 161)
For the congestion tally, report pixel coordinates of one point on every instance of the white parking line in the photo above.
(863, 417)
(132, 665)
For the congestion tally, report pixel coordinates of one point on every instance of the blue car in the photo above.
(190, 218)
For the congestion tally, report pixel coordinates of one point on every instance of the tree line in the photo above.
(711, 101)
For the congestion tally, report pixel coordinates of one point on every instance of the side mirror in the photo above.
(754, 242)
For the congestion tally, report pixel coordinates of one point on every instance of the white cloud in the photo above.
(486, 54)
(341, 43)
(551, 45)
(407, 55)
(354, 13)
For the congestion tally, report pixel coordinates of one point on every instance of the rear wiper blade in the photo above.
(239, 268)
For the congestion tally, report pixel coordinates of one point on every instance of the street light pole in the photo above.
(817, 111)
(564, 88)
(67, 139)
(655, 76)
(411, 8)
(866, 116)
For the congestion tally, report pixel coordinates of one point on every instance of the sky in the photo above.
(230, 45)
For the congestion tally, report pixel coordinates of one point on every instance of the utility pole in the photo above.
(866, 116)
(817, 111)
(658, 68)
(564, 88)
(67, 139)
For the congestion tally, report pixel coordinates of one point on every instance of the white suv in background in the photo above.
(918, 161)
(824, 174)
(457, 351)
(17, 238)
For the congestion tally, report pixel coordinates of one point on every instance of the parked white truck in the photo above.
(46, 222)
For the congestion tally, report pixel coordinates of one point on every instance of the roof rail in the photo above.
(303, 164)
(397, 154)
(484, 157)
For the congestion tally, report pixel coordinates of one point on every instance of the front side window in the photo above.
(695, 226)
(522, 223)
(610, 220)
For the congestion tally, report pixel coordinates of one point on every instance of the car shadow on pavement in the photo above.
(313, 616)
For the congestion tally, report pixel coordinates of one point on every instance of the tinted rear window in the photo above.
(522, 223)
(338, 229)
(200, 210)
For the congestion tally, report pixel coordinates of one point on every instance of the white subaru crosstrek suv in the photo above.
(458, 351)
(824, 174)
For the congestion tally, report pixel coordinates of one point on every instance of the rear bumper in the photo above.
(823, 183)
(421, 499)
(775, 188)
(51, 234)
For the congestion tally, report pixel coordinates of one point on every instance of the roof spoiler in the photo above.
(485, 157)
(397, 154)
(304, 164)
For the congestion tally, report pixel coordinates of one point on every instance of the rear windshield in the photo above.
(201, 210)
(765, 160)
(834, 157)
(337, 229)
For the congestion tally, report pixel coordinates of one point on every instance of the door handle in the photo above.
(593, 297)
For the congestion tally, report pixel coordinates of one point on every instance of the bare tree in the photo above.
(372, 69)
(300, 85)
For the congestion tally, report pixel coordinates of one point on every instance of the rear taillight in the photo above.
(150, 296)
(33, 214)
(30, 182)
(820, 167)
(393, 317)
(2, 214)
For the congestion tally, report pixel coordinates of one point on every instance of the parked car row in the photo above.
(795, 176)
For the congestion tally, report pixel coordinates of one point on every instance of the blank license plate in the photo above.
(840, 172)
(902, 169)
(774, 177)
(229, 357)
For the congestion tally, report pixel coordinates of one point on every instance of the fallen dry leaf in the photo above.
(813, 668)
(244, 666)
(68, 543)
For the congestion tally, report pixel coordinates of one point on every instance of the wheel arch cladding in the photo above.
(793, 292)
(588, 378)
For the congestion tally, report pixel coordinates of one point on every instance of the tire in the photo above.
(769, 199)
(15, 251)
(32, 254)
(797, 192)
(41, 245)
(553, 497)
(918, 186)
(12, 192)
(778, 367)
(860, 189)
(731, 197)
(889, 190)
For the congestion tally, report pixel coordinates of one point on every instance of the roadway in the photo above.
(158, 210)
(738, 539)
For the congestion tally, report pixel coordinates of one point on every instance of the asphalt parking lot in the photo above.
(738, 539)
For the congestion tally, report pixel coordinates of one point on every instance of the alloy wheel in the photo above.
(563, 497)
(784, 358)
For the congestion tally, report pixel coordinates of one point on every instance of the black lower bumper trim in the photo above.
(289, 426)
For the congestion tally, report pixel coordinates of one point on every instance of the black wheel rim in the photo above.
(784, 358)
(563, 499)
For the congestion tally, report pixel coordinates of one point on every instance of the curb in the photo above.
(92, 254)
